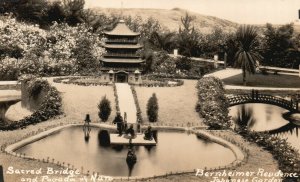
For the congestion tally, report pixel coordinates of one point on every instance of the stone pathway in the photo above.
(126, 102)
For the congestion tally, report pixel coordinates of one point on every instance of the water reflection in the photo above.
(175, 152)
(264, 117)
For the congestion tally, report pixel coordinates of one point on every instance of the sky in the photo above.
(240, 11)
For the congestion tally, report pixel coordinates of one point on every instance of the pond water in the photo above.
(264, 117)
(175, 151)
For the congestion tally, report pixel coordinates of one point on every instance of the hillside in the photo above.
(171, 18)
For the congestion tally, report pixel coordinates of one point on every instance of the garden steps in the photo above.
(126, 102)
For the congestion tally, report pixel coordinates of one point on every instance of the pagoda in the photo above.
(121, 63)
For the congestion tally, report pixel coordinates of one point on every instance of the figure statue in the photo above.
(148, 135)
(125, 121)
(87, 128)
(130, 131)
(87, 119)
(131, 157)
(119, 121)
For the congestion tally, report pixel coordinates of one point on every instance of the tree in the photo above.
(148, 57)
(278, 46)
(184, 63)
(32, 11)
(188, 38)
(247, 54)
(152, 108)
(85, 59)
(104, 109)
(55, 12)
(74, 10)
(162, 41)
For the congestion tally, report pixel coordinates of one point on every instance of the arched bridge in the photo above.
(8, 98)
(263, 98)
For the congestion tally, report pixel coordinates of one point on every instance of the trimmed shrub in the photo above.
(184, 63)
(212, 104)
(152, 108)
(104, 109)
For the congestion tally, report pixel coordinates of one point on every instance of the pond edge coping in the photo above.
(238, 153)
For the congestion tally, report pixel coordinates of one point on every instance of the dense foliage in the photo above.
(152, 108)
(288, 157)
(104, 109)
(280, 46)
(50, 107)
(212, 104)
(26, 49)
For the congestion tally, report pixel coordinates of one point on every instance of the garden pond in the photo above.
(265, 117)
(175, 151)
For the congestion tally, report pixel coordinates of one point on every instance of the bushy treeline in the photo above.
(64, 38)
(278, 45)
(61, 50)
(43, 12)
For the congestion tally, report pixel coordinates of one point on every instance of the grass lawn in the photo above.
(176, 104)
(81, 100)
(270, 80)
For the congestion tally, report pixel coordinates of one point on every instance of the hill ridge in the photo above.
(170, 18)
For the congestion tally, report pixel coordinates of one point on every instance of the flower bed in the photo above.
(174, 76)
(83, 81)
(155, 81)
(288, 157)
(49, 108)
(137, 105)
(116, 98)
(212, 104)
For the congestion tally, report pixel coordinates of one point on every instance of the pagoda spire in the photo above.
(121, 10)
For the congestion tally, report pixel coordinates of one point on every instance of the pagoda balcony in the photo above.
(126, 41)
(116, 69)
(123, 55)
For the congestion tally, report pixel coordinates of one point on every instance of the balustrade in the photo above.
(262, 98)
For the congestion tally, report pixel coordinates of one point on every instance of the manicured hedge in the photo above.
(49, 108)
(287, 156)
(137, 105)
(212, 103)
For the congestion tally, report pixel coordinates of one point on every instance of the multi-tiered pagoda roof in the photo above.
(121, 49)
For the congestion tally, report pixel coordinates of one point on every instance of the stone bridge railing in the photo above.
(5, 103)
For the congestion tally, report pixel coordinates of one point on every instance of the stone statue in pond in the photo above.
(131, 157)
(148, 135)
(119, 122)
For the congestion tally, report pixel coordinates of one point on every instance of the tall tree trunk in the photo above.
(244, 77)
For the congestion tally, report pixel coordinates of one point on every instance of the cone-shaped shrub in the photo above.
(104, 109)
(152, 108)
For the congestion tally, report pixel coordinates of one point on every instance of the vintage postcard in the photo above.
(149, 90)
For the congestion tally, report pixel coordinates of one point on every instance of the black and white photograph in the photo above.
(149, 90)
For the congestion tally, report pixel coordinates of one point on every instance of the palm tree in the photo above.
(247, 54)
